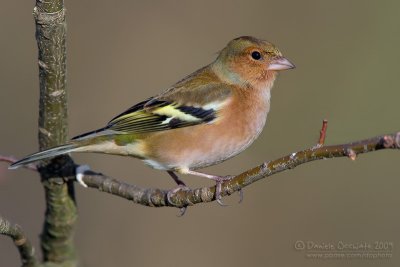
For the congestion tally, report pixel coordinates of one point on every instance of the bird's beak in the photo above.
(280, 63)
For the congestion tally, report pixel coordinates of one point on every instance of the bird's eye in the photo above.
(256, 55)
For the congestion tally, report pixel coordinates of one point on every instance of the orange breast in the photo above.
(239, 123)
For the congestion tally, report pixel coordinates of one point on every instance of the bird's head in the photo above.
(250, 60)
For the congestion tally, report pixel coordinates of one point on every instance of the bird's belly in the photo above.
(202, 153)
(202, 145)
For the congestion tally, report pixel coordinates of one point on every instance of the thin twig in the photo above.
(11, 160)
(182, 198)
(322, 133)
(23, 244)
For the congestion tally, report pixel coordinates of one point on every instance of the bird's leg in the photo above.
(181, 186)
(218, 180)
(178, 181)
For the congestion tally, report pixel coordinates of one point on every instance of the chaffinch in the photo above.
(206, 118)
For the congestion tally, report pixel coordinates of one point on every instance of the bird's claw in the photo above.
(173, 192)
(240, 196)
(218, 188)
(182, 211)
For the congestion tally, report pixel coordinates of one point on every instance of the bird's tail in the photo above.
(52, 152)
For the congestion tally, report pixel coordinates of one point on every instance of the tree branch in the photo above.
(26, 251)
(183, 198)
(160, 198)
(61, 214)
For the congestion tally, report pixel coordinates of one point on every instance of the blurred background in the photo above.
(121, 52)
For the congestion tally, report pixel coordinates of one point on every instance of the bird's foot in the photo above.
(181, 186)
(173, 192)
(219, 180)
(177, 189)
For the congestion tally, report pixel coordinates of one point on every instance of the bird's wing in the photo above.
(176, 108)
